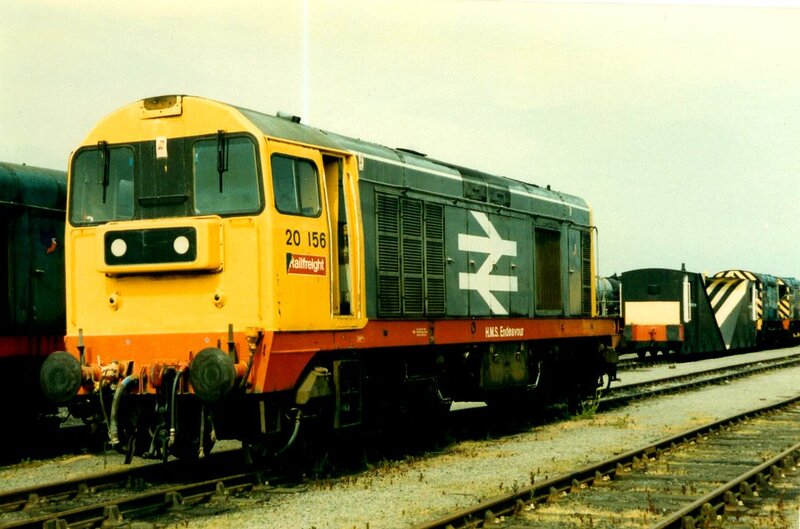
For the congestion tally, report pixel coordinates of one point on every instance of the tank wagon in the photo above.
(608, 292)
(679, 311)
(232, 274)
(32, 211)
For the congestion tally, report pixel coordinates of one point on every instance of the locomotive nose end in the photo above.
(212, 374)
(60, 377)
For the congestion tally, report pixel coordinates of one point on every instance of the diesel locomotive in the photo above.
(685, 312)
(32, 211)
(232, 274)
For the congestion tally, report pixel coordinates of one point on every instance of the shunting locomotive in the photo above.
(232, 274)
(677, 311)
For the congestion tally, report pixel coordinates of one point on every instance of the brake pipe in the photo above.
(113, 432)
(294, 434)
(173, 409)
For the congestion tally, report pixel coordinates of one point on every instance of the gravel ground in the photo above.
(400, 494)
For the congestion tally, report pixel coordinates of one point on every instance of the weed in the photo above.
(622, 422)
(588, 410)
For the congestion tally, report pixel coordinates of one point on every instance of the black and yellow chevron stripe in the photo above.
(728, 296)
(738, 274)
(785, 311)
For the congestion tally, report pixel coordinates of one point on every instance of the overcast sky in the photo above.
(680, 123)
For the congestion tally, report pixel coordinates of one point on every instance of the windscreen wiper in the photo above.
(102, 147)
(222, 155)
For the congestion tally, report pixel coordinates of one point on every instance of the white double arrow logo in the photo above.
(482, 281)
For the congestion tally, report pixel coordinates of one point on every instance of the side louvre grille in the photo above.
(410, 257)
(586, 273)
(413, 294)
(434, 259)
(388, 222)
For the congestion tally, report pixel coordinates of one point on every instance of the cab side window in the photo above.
(296, 186)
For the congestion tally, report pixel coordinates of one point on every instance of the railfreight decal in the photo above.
(305, 264)
(495, 247)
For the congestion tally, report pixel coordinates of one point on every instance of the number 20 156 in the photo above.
(314, 239)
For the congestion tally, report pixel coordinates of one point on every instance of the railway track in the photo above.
(725, 469)
(160, 489)
(620, 395)
(106, 499)
(631, 362)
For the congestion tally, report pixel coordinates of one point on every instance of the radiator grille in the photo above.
(413, 290)
(434, 259)
(586, 273)
(388, 222)
(410, 256)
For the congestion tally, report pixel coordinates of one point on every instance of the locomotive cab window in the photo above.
(296, 186)
(102, 185)
(225, 176)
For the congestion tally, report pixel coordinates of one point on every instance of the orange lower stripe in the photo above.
(288, 353)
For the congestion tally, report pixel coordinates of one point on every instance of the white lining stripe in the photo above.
(415, 167)
(460, 179)
(548, 199)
